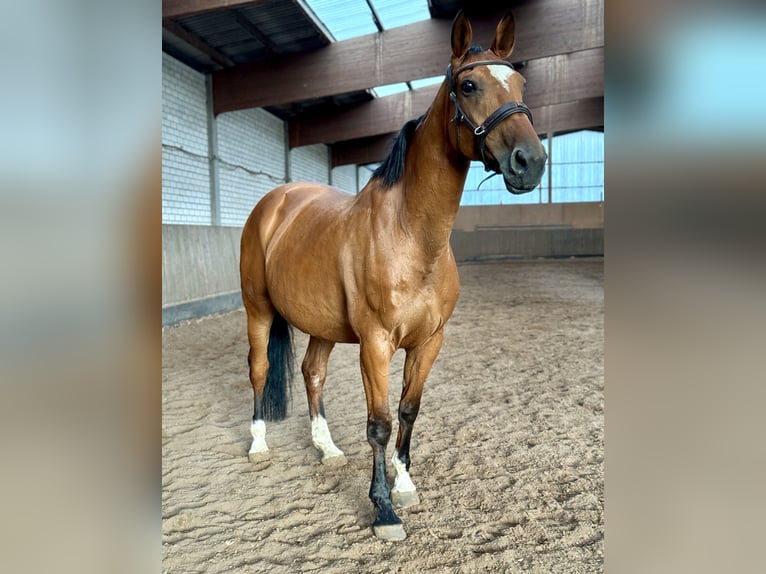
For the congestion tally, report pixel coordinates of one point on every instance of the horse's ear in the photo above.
(505, 36)
(461, 35)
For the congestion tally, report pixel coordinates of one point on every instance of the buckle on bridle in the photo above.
(479, 131)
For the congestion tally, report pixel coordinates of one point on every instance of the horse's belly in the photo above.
(327, 326)
(313, 301)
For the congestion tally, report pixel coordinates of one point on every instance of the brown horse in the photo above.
(377, 268)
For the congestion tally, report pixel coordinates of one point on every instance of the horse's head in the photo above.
(492, 124)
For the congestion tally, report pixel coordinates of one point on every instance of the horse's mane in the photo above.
(392, 168)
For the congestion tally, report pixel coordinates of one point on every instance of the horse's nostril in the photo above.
(519, 161)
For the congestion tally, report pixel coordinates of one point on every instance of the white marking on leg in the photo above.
(403, 482)
(258, 430)
(502, 74)
(320, 435)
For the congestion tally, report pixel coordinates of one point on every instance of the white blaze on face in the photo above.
(502, 74)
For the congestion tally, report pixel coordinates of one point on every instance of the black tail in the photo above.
(276, 395)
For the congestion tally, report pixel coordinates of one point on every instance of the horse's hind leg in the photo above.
(314, 370)
(417, 365)
(258, 327)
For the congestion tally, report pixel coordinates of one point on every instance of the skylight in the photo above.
(346, 19)
(395, 13)
(422, 83)
(390, 89)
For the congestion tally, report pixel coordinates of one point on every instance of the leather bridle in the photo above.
(482, 131)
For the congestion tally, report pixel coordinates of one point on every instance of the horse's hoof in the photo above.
(337, 460)
(405, 499)
(259, 456)
(392, 532)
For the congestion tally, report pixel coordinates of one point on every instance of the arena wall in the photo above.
(201, 263)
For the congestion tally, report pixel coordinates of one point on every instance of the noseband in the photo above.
(482, 131)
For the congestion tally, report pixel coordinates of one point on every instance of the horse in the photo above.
(376, 268)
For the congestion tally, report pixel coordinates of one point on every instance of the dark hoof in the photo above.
(391, 532)
(387, 525)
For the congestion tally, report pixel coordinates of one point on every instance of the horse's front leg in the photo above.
(417, 365)
(375, 354)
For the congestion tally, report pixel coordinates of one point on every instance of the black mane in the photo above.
(392, 168)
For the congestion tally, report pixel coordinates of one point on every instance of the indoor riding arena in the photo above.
(504, 471)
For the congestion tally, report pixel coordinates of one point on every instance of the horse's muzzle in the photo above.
(523, 168)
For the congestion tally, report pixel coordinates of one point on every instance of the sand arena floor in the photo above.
(507, 452)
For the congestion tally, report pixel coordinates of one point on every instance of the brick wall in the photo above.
(251, 145)
(185, 176)
(250, 150)
(310, 163)
(344, 177)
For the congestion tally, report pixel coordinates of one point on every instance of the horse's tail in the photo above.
(276, 394)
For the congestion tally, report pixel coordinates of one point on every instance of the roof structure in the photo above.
(350, 73)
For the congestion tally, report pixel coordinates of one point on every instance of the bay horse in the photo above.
(376, 268)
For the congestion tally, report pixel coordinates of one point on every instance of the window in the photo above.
(577, 166)
(575, 173)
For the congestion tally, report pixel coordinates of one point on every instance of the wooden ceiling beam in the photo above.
(582, 114)
(361, 151)
(181, 8)
(565, 117)
(553, 80)
(378, 116)
(418, 50)
(197, 43)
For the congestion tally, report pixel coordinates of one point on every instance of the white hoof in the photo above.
(391, 532)
(334, 460)
(405, 499)
(259, 455)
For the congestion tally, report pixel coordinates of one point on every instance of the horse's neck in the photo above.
(433, 180)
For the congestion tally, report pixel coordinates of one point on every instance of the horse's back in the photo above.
(282, 203)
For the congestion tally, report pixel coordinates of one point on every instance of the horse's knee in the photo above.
(379, 430)
(408, 412)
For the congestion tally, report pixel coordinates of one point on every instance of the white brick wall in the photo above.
(185, 176)
(255, 140)
(364, 175)
(344, 177)
(310, 163)
(251, 151)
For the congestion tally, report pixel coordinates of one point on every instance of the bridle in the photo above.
(482, 131)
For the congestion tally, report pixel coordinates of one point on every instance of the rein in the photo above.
(482, 131)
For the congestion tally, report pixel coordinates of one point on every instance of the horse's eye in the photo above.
(468, 86)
